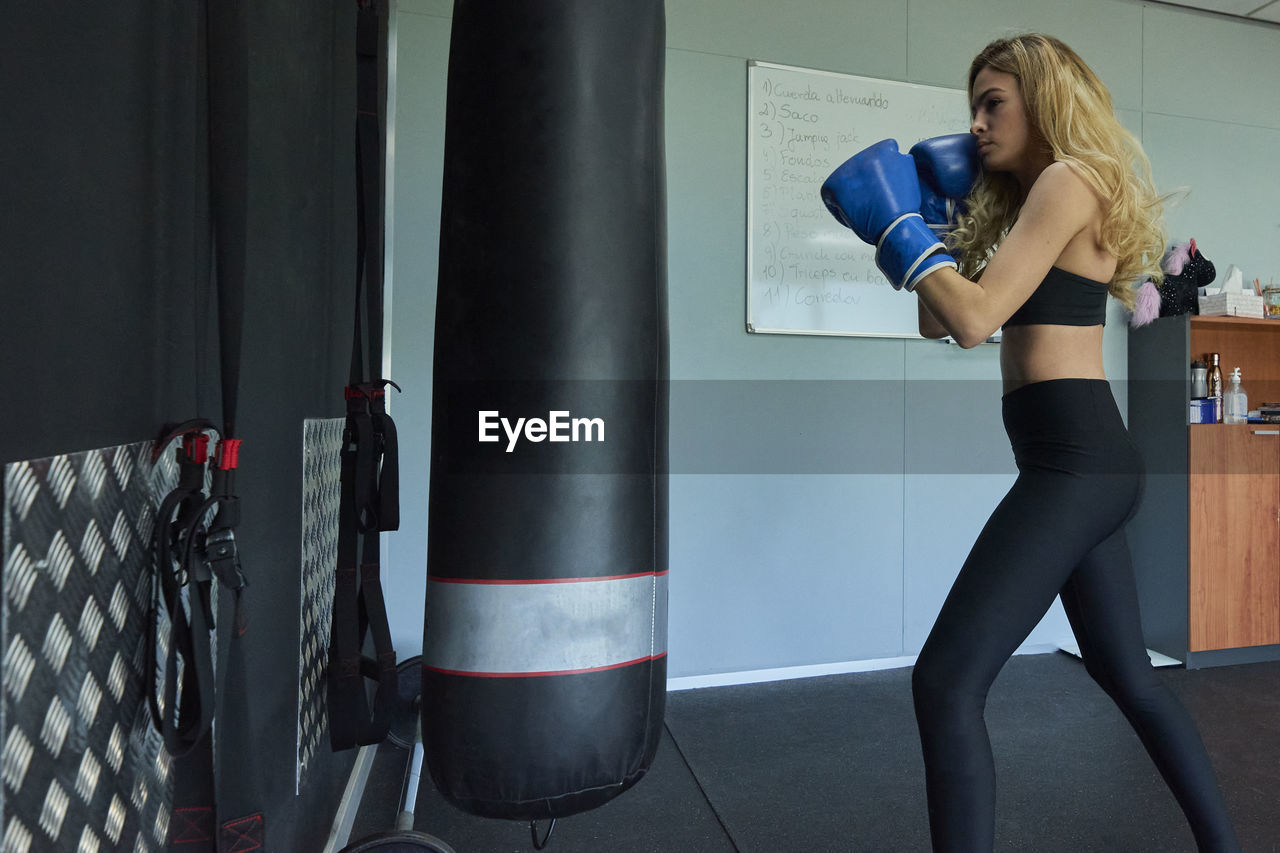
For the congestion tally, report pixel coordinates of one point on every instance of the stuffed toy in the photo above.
(1185, 272)
(1146, 306)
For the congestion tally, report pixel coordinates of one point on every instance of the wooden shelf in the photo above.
(1227, 322)
(1250, 344)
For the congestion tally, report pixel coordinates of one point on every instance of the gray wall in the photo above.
(826, 490)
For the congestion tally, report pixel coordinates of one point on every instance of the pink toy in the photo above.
(1177, 256)
(1147, 307)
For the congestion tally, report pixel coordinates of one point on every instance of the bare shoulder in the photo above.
(1060, 185)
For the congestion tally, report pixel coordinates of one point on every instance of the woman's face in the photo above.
(1005, 137)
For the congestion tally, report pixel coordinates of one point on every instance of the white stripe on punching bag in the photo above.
(544, 627)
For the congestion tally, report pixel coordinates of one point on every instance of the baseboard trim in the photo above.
(786, 673)
(1233, 657)
(1157, 659)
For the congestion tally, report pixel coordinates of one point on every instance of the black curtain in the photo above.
(108, 321)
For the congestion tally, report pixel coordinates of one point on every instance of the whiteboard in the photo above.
(806, 273)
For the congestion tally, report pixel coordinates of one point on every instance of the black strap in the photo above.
(370, 500)
(358, 606)
(194, 539)
(189, 553)
(193, 542)
(184, 715)
(369, 194)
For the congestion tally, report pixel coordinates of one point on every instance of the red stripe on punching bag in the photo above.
(499, 581)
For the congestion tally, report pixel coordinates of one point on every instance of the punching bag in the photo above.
(544, 650)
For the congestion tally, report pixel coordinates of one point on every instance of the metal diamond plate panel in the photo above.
(321, 493)
(82, 767)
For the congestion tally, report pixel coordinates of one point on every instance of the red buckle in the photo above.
(369, 391)
(196, 446)
(229, 454)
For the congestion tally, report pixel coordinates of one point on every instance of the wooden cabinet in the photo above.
(1234, 539)
(1206, 537)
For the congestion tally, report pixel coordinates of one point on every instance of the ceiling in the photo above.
(1253, 10)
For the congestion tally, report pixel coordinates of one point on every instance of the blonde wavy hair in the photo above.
(1070, 109)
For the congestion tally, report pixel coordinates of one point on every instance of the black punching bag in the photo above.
(544, 652)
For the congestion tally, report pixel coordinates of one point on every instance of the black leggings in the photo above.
(1059, 531)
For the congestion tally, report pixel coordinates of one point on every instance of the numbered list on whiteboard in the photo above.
(807, 273)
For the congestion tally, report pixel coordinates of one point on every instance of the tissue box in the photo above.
(1237, 303)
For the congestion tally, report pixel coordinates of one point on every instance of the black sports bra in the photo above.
(1064, 299)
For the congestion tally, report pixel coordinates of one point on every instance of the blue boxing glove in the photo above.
(877, 194)
(948, 168)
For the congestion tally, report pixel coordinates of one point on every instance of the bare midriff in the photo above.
(1040, 352)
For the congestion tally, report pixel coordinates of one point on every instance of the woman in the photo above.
(1065, 193)
(1062, 212)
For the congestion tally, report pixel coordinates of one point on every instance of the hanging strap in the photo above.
(189, 552)
(186, 712)
(369, 194)
(370, 500)
(359, 610)
(194, 541)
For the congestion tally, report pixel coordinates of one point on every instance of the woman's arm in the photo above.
(1059, 206)
(929, 325)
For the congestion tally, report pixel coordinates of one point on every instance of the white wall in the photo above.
(774, 565)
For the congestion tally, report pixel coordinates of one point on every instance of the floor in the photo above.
(833, 764)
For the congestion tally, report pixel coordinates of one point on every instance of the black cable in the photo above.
(724, 826)
(533, 830)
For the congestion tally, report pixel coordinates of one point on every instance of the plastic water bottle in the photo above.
(1236, 402)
